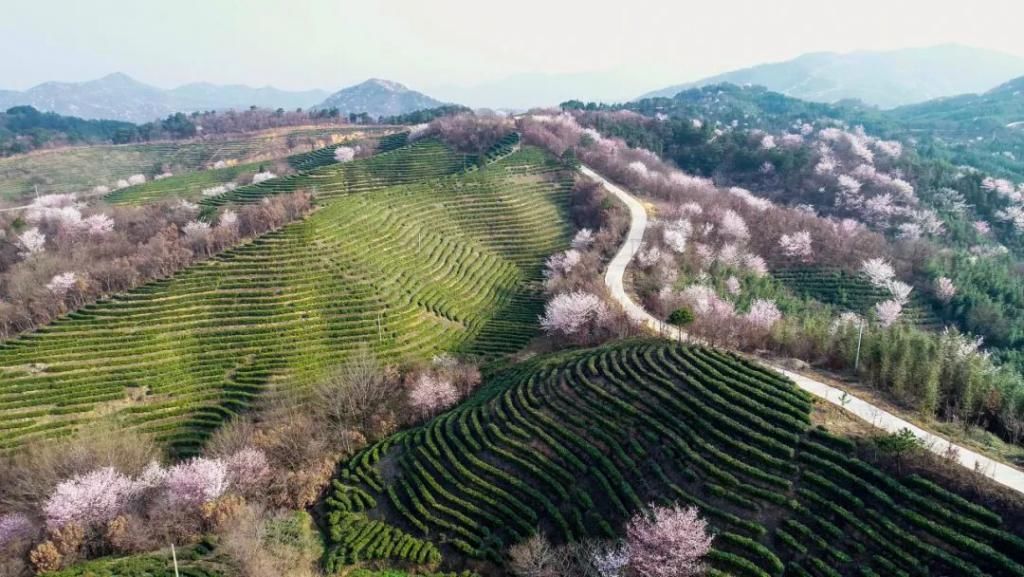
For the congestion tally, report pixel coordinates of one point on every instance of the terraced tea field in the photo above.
(189, 186)
(437, 263)
(81, 169)
(851, 292)
(575, 443)
(318, 172)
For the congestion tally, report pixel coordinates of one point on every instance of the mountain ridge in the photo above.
(887, 79)
(118, 96)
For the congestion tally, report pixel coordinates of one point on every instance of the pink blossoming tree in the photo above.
(667, 542)
(196, 481)
(89, 499)
(431, 394)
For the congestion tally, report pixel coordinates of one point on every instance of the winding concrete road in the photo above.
(878, 417)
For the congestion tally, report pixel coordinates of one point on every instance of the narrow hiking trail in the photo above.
(878, 417)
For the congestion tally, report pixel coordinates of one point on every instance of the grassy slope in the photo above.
(448, 263)
(575, 443)
(80, 169)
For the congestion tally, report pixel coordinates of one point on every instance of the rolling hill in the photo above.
(573, 444)
(884, 79)
(378, 97)
(1000, 107)
(453, 264)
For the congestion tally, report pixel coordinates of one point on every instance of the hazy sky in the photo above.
(430, 43)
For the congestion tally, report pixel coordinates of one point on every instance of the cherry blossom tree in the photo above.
(32, 241)
(248, 470)
(982, 227)
(845, 321)
(418, 131)
(676, 233)
(667, 542)
(797, 245)
(583, 239)
(61, 283)
(574, 313)
(98, 224)
(763, 314)
(648, 256)
(263, 177)
(431, 394)
(229, 219)
(1000, 186)
(344, 154)
(196, 230)
(768, 142)
(899, 290)
(152, 477)
(215, 190)
(1014, 215)
(136, 179)
(878, 271)
(610, 560)
(755, 202)
(888, 312)
(945, 290)
(755, 265)
(791, 140)
(639, 170)
(196, 481)
(89, 499)
(729, 255)
(890, 148)
(733, 226)
(562, 263)
(732, 286)
(690, 209)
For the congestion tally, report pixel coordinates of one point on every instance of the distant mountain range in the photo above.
(378, 97)
(884, 79)
(120, 97)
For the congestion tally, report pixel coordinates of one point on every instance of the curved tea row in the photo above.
(577, 443)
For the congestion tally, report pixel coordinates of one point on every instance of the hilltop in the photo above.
(377, 97)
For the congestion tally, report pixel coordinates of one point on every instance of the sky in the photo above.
(442, 44)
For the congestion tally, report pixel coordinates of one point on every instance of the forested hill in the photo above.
(23, 129)
(984, 131)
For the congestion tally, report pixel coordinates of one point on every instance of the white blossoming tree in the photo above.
(32, 242)
(575, 315)
(797, 246)
(344, 154)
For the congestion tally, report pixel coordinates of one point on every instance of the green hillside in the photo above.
(80, 169)
(574, 444)
(448, 263)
